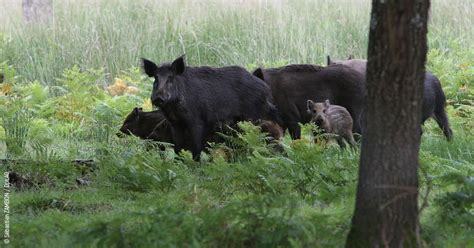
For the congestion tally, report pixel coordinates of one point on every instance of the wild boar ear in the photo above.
(309, 105)
(326, 103)
(140, 109)
(136, 110)
(329, 60)
(149, 67)
(178, 65)
(350, 57)
(258, 73)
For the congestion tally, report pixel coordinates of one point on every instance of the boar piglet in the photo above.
(332, 119)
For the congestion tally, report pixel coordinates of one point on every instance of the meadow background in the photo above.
(70, 82)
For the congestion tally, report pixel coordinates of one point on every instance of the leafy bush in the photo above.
(458, 204)
(16, 123)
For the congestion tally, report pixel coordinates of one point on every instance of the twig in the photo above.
(429, 186)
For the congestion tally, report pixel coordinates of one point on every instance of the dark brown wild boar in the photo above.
(332, 119)
(153, 125)
(196, 100)
(273, 130)
(359, 65)
(292, 85)
(434, 99)
(148, 125)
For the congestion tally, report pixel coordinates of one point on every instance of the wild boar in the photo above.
(148, 125)
(292, 85)
(359, 65)
(153, 125)
(273, 130)
(332, 119)
(434, 99)
(199, 99)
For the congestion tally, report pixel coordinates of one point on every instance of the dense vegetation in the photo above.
(69, 84)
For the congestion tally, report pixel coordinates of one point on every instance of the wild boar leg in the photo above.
(178, 138)
(349, 137)
(340, 141)
(295, 130)
(198, 133)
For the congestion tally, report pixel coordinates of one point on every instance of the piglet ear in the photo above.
(329, 60)
(178, 65)
(326, 103)
(309, 105)
(149, 67)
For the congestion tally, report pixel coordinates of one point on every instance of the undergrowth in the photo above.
(67, 87)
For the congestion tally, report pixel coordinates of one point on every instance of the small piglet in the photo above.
(332, 119)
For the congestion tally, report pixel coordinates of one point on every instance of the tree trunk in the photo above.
(386, 211)
(37, 10)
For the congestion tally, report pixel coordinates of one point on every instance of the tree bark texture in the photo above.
(386, 211)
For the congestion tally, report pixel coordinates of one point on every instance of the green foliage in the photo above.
(458, 204)
(144, 172)
(40, 131)
(455, 212)
(15, 121)
(256, 221)
(67, 88)
(455, 69)
(80, 90)
(8, 72)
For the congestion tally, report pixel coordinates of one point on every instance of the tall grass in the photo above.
(244, 194)
(113, 35)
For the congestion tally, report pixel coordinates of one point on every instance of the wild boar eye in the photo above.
(314, 111)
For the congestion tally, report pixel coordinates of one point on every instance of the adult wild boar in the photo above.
(293, 85)
(434, 99)
(148, 125)
(153, 125)
(359, 65)
(199, 99)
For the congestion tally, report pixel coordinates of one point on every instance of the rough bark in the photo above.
(386, 211)
(35, 11)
